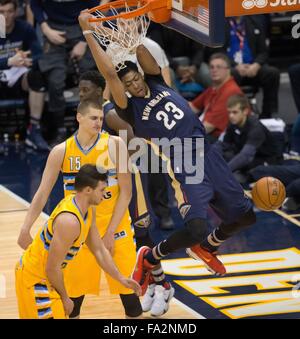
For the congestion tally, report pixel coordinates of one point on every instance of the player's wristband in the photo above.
(87, 32)
(107, 106)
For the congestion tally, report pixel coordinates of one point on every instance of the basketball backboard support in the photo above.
(200, 20)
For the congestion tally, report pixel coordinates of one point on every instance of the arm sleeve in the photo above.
(243, 158)
(107, 106)
(256, 136)
(37, 10)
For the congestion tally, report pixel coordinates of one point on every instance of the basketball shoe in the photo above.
(35, 140)
(142, 271)
(212, 263)
(162, 297)
(148, 298)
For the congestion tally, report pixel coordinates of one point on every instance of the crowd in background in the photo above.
(44, 46)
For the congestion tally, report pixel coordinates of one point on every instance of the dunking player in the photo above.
(89, 146)
(156, 111)
(160, 291)
(40, 287)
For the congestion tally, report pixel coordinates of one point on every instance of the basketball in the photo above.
(268, 193)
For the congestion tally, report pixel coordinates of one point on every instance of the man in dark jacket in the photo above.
(245, 44)
(247, 142)
(64, 46)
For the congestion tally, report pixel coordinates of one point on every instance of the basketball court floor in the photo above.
(263, 262)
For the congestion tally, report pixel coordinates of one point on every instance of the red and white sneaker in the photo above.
(142, 270)
(212, 263)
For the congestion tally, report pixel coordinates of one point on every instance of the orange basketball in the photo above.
(268, 193)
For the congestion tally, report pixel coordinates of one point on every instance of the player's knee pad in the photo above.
(77, 306)
(197, 229)
(132, 305)
(36, 81)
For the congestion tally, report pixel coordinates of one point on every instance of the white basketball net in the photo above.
(121, 37)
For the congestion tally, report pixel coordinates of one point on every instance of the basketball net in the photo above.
(120, 37)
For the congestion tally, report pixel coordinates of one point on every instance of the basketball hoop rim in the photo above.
(147, 6)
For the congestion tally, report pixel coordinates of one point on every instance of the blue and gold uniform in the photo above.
(36, 298)
(164, 115)
(83, 275)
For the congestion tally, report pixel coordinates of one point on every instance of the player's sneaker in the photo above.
(212, 263)
(148, 298)
(142, 269)
(162, 298)
(35, 140)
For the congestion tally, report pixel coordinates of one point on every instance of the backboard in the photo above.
(200, 20)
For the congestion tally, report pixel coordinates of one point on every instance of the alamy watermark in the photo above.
(176, 157)
(2, 27)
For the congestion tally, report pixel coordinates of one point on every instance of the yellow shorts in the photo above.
(36, 301)
(82, 275)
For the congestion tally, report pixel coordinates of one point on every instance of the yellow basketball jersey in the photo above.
(35, 257)
(98, 154)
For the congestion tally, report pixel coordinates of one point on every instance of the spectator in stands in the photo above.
(19, 72)
(212, 103)
(289, 174)
(247, 142)
(294, 72)
(245, 44)
(64, 44)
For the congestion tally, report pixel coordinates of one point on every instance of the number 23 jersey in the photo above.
(162, 113)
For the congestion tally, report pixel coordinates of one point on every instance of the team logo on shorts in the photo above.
(143, 222)
(184, 210)
(249, 4)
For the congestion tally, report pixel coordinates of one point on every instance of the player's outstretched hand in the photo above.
(25, 239)
(132, 284)
(68, 306)
(83, 19)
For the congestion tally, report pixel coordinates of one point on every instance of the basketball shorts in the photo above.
(138, 206)
(38, 300)
(218, 189)
(82, 275)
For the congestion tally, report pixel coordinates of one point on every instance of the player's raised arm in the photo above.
(41, 196)
(146, 61)
(66, 230)
(103, 62)
(104, 259)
